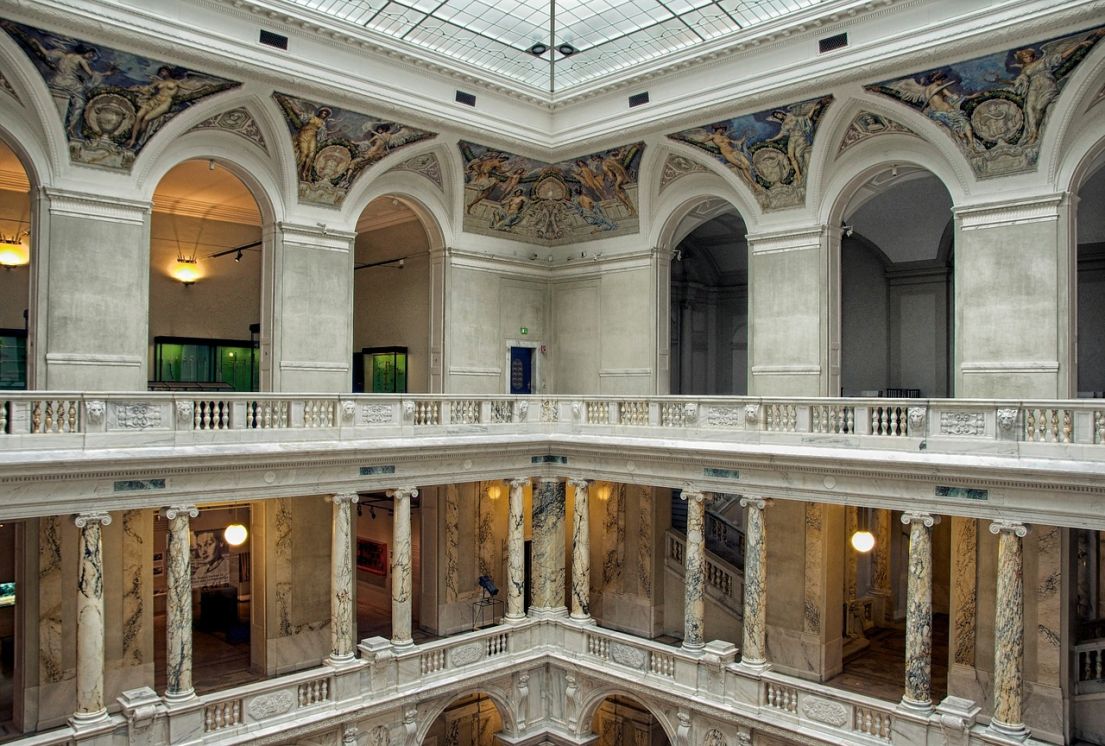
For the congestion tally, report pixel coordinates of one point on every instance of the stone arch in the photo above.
(35, 132)
(436, 707)
(596, 697)
(1066, 135)
(718, 181)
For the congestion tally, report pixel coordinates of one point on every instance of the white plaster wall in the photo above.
(576, 309)
(865, 313)
(785, 291)
(626, 324)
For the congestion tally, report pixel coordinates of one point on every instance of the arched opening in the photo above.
(224, 617)
(391, 300)
(620, 720)
(896, 287)
(205, 281)
(875, 600)
(709, 302)
(470, 720)
(15, 270)
(1091, 284)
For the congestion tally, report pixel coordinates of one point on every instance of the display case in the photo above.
(385, 370)
(13, 359)
(187, 360)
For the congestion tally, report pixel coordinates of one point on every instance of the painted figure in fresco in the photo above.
(483, 174)
(511, 213)
(590, 178)
(306, 139)
(796, 127)
(592, 214)
(157, 98)
(733, 151)
(938, 102)
(73, 76)
(1036, 82)
(613, 169)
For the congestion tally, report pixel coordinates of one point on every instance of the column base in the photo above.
(1015, 732)
(178, 698)
(753, 666)
(510, 619)
(83, 720)
(915, 706)
(340, 661)
(694, 648)
(583, 621)
(402, 644)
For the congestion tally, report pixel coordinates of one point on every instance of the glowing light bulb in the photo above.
(185, 271)
(13, 254)
(235, 534)
(863, 541)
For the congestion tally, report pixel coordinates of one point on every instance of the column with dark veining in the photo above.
(918, 621)
(178, 603)
(581, 553)
(401, 568)
(754, 652)
(90, 619)
(342, 612)
(548, 546)
(1009, 631)
(694, 571)
(516, 553)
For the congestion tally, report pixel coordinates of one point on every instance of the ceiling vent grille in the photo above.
(270, 39)
(466, 98)
(829, 43)
(637, 99)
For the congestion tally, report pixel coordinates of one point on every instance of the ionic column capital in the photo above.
(519, 483)
(695, 496)
(403, 493)
(83, 519)
(579, 484)
(344, 497)
(1014, 527)
(928, 520)
(759, 503)
(172, 511)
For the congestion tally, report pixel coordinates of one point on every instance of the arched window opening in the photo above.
(205, 281)
(623, 721)
(1091, 286)
(15, 270)
(471, 720)
(896, 287)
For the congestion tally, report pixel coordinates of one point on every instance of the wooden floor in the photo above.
(879, 671)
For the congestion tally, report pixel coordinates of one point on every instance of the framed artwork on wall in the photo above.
(372, 557)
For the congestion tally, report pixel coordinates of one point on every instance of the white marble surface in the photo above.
(90, 619)
(1048, 599)
(516, 550)
(1008, 681)
(452, 543)
(342, 610)
(548, 545)
(964, 590)
(401, 575)
(918, 626)
(814, 592)
(581, 551)
(178, 602)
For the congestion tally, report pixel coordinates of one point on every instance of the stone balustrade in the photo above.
(386, 678)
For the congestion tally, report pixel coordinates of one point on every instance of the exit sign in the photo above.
(524, 330)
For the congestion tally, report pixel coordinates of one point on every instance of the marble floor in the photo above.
(217, 662)
(879, 671)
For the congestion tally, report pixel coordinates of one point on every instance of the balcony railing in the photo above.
(1072, 428)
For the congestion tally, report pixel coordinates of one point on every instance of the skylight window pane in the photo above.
(710, 23)
(396, 19)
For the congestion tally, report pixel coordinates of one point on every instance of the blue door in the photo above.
(521, 370)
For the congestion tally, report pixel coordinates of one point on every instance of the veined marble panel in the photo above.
(548, 544)
(815, 590)
(485, 528)
(282, 565)
(135, 550)
(613, 532)
(452, 542)
(1048, 584)
(645, 529)
(964, 590)
(50, 629)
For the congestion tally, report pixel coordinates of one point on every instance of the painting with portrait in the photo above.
(372, 557)
(210, 559)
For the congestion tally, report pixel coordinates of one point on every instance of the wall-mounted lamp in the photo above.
(863, 541)
(15, 250)
(185, 271)
(846, 230)
(603, 492)
(236, 534)
(494, 491)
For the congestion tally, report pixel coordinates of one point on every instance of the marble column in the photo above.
(581, 553)
(548, 547)
(342, 610)
(694, 571)
(90, 620)
(1008, 717)
(754, 652)
(401, 567)
(516, 553)
(918, 619)
(178, 603)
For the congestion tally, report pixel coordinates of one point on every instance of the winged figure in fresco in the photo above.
(733, 152)
(933, 95)
(796, 126)
(305, 140)
(615, 167)
(486, 173)
(167, 89)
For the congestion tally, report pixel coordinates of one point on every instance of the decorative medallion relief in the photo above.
(591, 197)
(769, 150)
(237, 121)
(962, 423)
(333, 146)
(110, 102)
(270, 705)
(628, 656)
(676, 167)
(995, 107)
(138, 416)
(425, 165)
(724, 416)
(825, 711)
(868, 124)
(465, 654)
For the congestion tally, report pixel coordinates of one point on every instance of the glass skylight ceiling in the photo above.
(607, 35)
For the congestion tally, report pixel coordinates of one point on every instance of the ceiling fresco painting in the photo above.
(594, 196)
(769, 150)
(110, 102)
(995, 107)
(334, 146)
(239, 122)
(868, 124)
